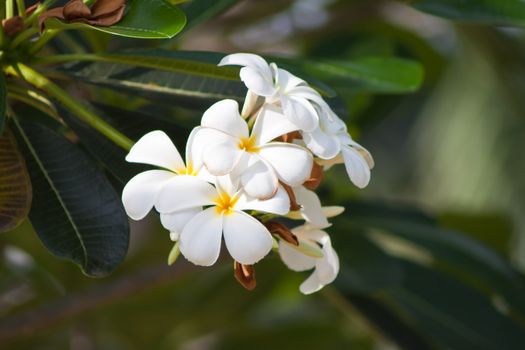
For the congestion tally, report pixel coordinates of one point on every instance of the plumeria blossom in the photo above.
(325, 268)
(331, 141)
(279, 87)
(253, 157)
(246, 238)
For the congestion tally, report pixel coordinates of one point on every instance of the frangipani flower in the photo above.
(279, 87)
(331, 141)
(140, 193)
(253, 157)
(325, 268)
(247, 240)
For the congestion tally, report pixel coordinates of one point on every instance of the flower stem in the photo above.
(9, 8)
(23, 37)
(46, 36)
(20, 4)
(41, 82)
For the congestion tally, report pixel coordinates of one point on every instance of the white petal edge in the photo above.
(185, 192)
(140, 193)
(224, 116)
(278, 204)
(292, 163)
(259, 180)
(156, 148)
(175, 222)
(295, 260)
(247, 240)
(200, 240)
(271, 123)
(356, 167)
(311, 208)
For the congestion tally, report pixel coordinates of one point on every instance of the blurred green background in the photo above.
(432, 251)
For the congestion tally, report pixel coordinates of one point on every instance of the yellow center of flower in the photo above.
(188, 170)
(225, 204)
(248, 144)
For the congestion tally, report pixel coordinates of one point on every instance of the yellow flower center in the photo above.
(225, 204)
(188, 170)
(248, 144)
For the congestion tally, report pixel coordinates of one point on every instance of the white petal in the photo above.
(220, 159)
(185, 192)
(200, 240)
(287, 80)
(327, 268)
(224, 116)
(175, 222)
(257, 82)
(308, 93)
(227, 184)
(295, 260)
(292, 163)
(311, 207)
(247, 240)
(140, 193)
(356, 167)
(257, 76)
(321, 144)
(364, 153)
(199, 139)
(156, 148)
(259, 180)
(300, 112)
(311, 285)
(252, 102)
(271, 123)
(278, 204)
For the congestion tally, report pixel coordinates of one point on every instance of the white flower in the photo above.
(311, 209)
(259, 162)
(140, 193)
(325, 268)
(247, 240)
(279, 87)
(331, 141)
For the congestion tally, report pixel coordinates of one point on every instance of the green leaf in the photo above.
(198, 11)
(144, 19)
(3, 102)
(75, 212)
(452, 314)
(485, 11)
(15, 186)
(189, 79)
(373, 74)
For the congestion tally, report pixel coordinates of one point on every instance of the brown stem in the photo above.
(49, 315)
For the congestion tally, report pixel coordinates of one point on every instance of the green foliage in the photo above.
(3, 102)
(503, 12)
(143, 19)
(87, 227)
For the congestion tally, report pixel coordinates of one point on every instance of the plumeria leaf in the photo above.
(145, 19)
(485, 11)
(15, 186)
(371, 74)
(132, 124)
(186, 78)
(75, 211)
(3, 103)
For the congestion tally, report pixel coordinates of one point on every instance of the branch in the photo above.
(55, 312)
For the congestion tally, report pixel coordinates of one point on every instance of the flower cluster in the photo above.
(246, 170)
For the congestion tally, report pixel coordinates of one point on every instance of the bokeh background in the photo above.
(449, 160)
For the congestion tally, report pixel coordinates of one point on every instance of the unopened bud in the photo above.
(282, 231)
(13, 25)
(245, 275)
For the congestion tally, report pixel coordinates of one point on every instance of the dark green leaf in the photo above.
(450, 313)
(145, 19)
(374, 74)
(3, 102)
(485, 11)
(15, 186)
(75, 212)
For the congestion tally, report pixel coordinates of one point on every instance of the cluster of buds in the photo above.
(244, 171)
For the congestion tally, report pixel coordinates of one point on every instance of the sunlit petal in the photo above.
(292, 163)
(356, 167)
(184, 192)
(311, 208)
(156, 148)
(278, 204)
(271, 123)
(224, 116)
(176, 221)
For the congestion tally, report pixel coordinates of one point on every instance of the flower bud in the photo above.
(245, 275)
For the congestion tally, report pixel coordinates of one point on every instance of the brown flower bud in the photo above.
(282, 231)
(293, 201)
(13, 25)
(245, 275)
(75, 9)
(316, 176)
